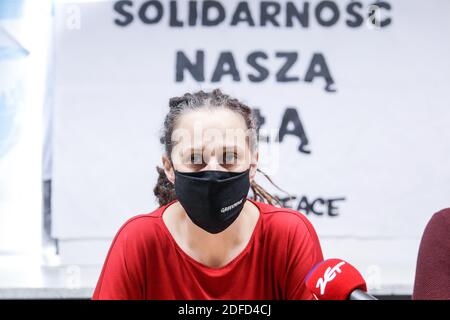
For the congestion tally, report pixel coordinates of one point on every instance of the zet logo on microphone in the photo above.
(328, 276)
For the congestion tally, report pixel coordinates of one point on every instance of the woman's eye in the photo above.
(230, 158)
(196, 159)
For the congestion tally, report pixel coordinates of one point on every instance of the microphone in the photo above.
(336, 279)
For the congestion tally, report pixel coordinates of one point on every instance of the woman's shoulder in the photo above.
(288, 229)
(284, 219)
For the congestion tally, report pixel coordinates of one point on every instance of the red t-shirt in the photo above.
(145, 262)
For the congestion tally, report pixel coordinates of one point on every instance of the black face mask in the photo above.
(212, 199)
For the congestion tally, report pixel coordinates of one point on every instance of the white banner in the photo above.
(354, 101)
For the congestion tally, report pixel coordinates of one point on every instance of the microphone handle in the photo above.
(359, 294)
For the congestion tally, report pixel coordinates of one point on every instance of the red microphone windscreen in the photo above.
(334, 279)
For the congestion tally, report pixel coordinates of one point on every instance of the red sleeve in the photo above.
(304, 252)
(120, 277)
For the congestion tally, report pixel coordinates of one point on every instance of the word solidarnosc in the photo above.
(290, 14)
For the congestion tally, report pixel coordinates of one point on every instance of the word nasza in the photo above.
(256, 64)
(297, 14)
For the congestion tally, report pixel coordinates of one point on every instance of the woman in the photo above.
(208, 240)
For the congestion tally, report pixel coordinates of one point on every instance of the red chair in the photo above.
(433, 262)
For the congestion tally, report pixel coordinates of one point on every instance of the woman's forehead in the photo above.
(227, 142)
(211, 118)
(220, 128)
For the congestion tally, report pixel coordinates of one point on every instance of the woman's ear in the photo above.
(253, 165)
(168, 169)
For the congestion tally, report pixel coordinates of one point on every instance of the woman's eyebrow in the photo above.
(231, 148)
(193, 149)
